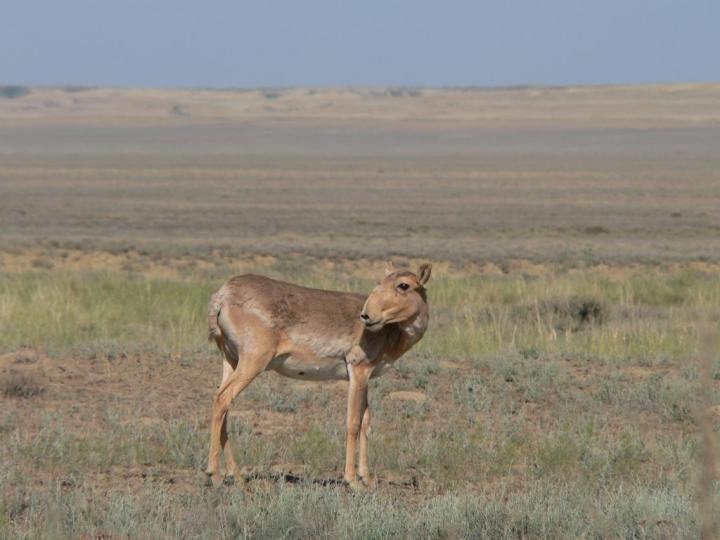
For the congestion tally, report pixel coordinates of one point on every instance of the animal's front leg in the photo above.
(363, 466)
(359, 375)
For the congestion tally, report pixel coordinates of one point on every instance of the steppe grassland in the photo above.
(514, 394)
(644, 313)
(557, 394)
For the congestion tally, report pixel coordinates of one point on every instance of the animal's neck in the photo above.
(413, 329)
(396, 339)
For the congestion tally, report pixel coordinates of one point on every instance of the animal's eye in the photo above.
(403, 286)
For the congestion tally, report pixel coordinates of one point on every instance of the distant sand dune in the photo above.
(651, 106)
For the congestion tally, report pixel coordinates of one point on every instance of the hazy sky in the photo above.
(235, 43)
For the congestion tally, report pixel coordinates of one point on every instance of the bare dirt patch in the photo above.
(407, 395)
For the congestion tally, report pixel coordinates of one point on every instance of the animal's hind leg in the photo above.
(258, 348)
(230, 465)
(236, 383)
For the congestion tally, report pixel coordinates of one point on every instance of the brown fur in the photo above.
(262, 324)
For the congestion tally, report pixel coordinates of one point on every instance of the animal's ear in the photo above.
(423, 273)
(389, 268)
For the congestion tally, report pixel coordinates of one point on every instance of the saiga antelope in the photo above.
(260, 324)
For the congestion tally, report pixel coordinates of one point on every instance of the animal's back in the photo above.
(285, 305)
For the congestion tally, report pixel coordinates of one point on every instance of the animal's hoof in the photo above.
(355, 485)
(370, 481)
(214, 479)
(231, 479)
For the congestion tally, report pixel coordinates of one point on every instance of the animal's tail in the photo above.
(216, 304)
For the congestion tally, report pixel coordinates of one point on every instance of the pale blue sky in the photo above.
(234, 43)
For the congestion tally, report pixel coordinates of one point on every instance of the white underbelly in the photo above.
(320, 369)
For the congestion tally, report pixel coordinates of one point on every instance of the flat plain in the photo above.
(569, 383)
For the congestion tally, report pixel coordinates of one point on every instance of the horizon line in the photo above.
(456, 87)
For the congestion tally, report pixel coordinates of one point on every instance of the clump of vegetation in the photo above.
(272, 94)
(75, 89)
(396, 91)
(12, 92)
(573, 313)
(179, 110)
(404, 92)
(595, 230)
(20, 385)
(43, 263)
(109, 349)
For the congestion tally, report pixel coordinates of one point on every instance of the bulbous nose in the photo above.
(365, 317)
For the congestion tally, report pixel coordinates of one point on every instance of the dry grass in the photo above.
(615, 314)
(516, 403)
(16, 385)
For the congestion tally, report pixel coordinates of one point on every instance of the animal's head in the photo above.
(399, 297)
